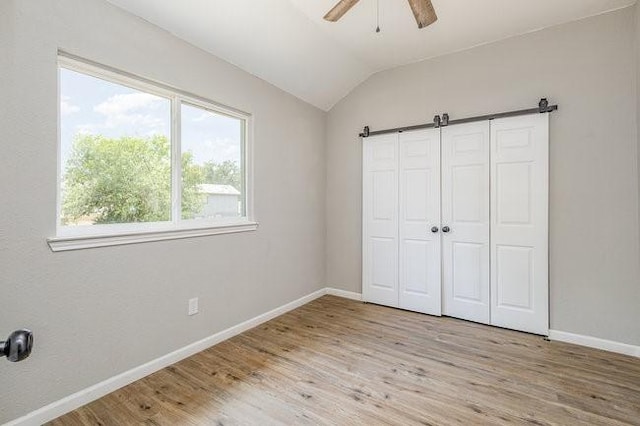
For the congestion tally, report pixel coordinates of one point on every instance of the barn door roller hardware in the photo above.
(17, 346)
(438, 121)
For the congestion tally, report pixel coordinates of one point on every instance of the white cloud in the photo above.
(132, 110)
(85, 129)
(202, 117)
(138, 121)
(66, 107)
(123, 104)
(217, 150)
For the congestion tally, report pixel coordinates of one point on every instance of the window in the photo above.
(140, 158)
(212, 166)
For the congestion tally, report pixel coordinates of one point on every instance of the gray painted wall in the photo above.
(589, 68)
(96, 313)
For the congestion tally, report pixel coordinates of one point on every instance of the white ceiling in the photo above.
(287, 43)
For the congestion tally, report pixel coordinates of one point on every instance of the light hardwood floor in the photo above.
(336, 361)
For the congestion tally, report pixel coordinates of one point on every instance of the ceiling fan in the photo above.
(422, 9)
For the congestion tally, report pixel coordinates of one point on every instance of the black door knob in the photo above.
(434, 229)
(17, 346)
(446, 229)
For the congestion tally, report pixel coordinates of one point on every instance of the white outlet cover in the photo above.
(193, 306)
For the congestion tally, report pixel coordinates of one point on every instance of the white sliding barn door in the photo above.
(380, 220)
(420, 285)
(465, 211)
(519, 224)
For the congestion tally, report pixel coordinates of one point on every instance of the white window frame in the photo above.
(81, 237)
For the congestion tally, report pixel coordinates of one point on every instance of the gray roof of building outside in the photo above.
(212, 189)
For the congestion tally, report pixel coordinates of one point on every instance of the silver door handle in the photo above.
(446, 229)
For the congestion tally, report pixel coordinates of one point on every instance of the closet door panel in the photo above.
(465, 210)
(419, 211)
(380, 220)
(519, 228)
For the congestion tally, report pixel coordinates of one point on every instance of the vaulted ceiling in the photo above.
(287, 43)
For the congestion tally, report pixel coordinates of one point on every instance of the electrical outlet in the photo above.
(193, 306)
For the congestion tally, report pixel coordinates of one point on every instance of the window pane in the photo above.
(115, 153)
(212, 165)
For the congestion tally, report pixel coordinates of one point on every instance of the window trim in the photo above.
(57, 244)
(73, 238)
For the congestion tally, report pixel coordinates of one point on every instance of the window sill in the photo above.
(94, 241)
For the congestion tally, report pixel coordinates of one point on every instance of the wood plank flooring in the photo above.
(340, 362)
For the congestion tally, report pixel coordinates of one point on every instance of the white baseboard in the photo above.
(343, 293)
(85, 396)
(595, 342)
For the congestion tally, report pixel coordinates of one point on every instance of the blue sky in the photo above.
(95, 106)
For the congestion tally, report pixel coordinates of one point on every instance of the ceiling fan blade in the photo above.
(424, 12)
(340, 9)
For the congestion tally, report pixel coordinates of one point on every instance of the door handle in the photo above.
(434, 229)
(446, 229)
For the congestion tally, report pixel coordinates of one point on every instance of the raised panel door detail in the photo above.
(519, 226)
(467, 272)
(383, 152)
(416, 191)
(514, 193)
(516, 138)
(465, 210)
(467, 143)
(415, 269)
(469, 193)
(384, 270)
(415, 148)
(514, 269)
(384, 185)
